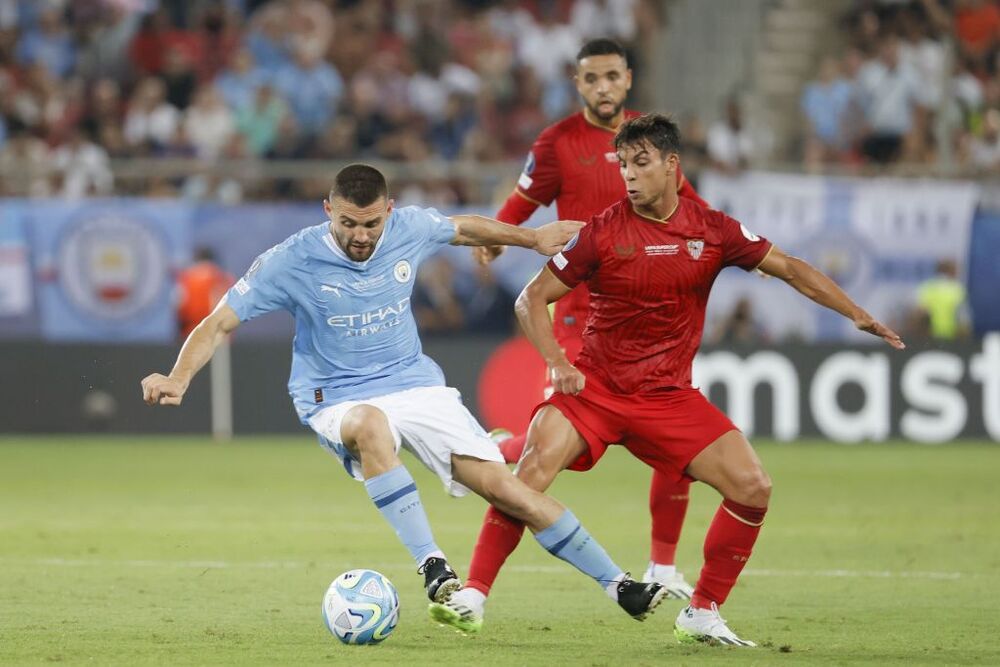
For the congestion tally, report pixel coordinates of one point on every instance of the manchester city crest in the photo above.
(402, 271)
(695, 246)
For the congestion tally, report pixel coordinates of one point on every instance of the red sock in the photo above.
(513, 447)
(498, 538)
(728, 544)
(668, 503)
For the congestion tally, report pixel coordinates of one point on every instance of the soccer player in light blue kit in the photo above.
(360, 380)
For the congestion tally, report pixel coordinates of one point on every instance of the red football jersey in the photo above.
(573, 163)
(649, 282)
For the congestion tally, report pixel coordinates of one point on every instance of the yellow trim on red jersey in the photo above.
(660, 220)
(517, 191)
(764, 258)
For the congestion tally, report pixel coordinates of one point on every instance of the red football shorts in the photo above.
(664, 429)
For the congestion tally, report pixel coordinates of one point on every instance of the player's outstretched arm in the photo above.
(532, 308)
(199, 347)
(477, 230)
(820, 288)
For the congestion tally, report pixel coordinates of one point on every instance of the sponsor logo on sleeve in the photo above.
(748, 234)
(242, 286)
(529, 164)
(560, 261)
(525, 181)
(572, 242)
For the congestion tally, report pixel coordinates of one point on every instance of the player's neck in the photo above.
(611, 125)
(661, 210)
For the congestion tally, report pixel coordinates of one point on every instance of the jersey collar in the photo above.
(662, 221)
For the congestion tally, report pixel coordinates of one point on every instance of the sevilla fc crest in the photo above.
(695, 246)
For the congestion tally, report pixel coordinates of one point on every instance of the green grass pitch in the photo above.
(180, 551)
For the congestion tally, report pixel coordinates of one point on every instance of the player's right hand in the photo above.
(159, 389)
(552, 237)
(487, 253)
(566, 379)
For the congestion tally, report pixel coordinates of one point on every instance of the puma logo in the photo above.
(586, 160)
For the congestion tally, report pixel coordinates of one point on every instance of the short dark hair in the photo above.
(601, 46)
(360, 184)
(658, 130)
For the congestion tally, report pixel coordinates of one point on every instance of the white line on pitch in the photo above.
(537, 569)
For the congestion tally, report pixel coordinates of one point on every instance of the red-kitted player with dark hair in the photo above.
(649, 261)
(573, 163)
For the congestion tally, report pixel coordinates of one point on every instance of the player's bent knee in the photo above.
(365, 427)
(755, 489)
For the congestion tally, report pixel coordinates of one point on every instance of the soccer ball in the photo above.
(361, 607)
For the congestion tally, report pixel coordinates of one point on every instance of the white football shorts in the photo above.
(430, 422)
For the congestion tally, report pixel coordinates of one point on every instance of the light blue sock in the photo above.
(568, 540)
(395, 495)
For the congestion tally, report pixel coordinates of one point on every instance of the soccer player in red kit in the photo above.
(574, 164)
(650, 261)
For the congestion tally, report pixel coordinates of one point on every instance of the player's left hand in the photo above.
(487, 253)
(550, 238)
(874, 327)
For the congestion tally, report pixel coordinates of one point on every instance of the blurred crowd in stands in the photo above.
(84, 81)
(917, 78)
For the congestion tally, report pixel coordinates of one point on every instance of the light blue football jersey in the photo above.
(355, 336)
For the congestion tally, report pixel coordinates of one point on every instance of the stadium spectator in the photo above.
(730, 143)
(826, 104)
(83, 167)
(104, 42)
(312, 88)
(260, 121)
(178, 75)
(285, 26)
(546, 46)
(239, 82)
(25, 164)
(151, 121)
(615, 19)
(208, 123)
(891, 100)
(48, 44)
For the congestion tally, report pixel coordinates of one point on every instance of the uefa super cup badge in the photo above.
(402, 271)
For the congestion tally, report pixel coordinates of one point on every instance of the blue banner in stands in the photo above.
(105, 269)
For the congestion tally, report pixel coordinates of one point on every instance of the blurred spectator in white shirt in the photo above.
(209, 123)
(150, 119)
(547, 46)
(604, 18)
(83, 167)
(890, 97)
(730, 143)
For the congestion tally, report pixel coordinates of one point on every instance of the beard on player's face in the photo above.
(606, 109)
(357, 229)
